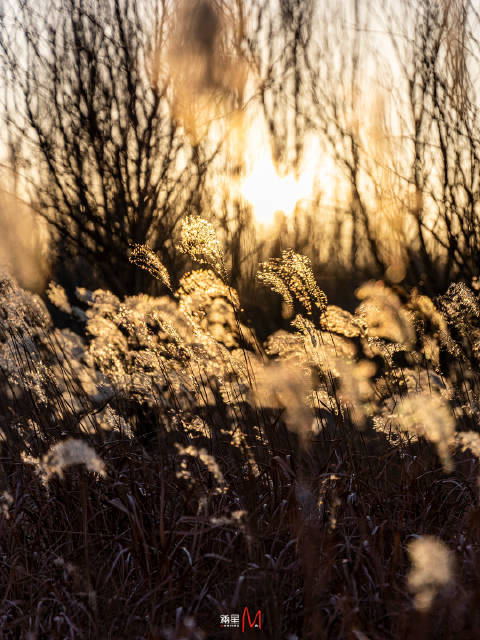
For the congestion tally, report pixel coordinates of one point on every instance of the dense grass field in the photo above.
(239, 320)
(163, 468)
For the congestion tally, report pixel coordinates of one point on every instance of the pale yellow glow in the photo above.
(265, 189)
(268, 192)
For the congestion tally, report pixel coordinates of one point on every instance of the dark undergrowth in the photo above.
(163, 469)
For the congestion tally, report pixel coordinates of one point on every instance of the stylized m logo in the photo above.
(246, 613)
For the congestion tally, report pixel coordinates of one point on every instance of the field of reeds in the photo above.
(163, 468)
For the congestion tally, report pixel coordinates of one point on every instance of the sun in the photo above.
(268, 192)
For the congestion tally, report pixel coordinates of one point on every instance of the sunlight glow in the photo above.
(268, 192)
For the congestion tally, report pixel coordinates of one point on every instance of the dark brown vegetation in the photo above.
(217, 484)
(169, 459)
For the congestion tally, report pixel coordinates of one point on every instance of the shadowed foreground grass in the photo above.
(161, 467)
